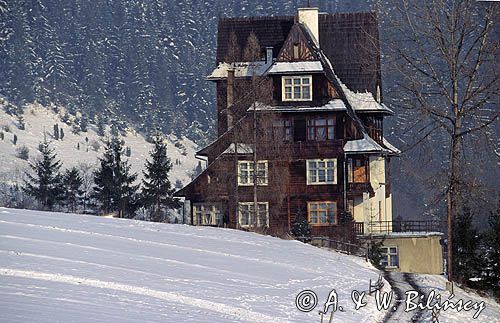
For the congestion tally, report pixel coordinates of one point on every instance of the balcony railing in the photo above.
(384, 227)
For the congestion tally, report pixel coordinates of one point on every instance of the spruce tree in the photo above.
(467, 263)
(45, 184)
(72, 183)
(157, 190)
(114, 184)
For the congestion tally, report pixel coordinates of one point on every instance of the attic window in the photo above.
(296, 51)
(297, 88)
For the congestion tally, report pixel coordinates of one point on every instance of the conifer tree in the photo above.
(45, 184)
(72, 183)
(157, 190)
(114, 188)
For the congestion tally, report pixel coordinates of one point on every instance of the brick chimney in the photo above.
(309, 17)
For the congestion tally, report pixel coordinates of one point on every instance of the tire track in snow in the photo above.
(237, 312)
(163, 244)
(248, 279)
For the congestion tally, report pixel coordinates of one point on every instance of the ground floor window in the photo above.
(390, 257)
(322, 213)
(247, 218)
(207, 214)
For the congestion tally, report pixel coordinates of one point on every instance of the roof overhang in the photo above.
(332, 106)
(296, 67)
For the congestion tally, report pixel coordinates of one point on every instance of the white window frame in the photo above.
(301, 85)
(249, 205)
(248, 179)
(201, 210)
(315, 180)
(318, 209)
(388, 255)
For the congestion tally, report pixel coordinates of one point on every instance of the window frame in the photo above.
(250, 206)
(311, 123)
(252, 171)
(318, 223)
(388, 256)
(215, 210)
(301, 85)
(352, 169)
(309, 180)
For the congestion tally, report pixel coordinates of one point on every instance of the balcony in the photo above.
(386, 227)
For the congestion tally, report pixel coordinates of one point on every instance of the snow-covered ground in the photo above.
(428, 283)
(57, 267)
(39, 119)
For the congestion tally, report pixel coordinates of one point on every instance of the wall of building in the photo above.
(417, 254)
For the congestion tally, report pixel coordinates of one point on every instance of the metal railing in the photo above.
(404, 226)
(340, 246)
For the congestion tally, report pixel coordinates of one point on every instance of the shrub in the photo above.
(23, 152)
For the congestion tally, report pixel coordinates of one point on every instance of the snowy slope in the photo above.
(38, 118)
(57, 267)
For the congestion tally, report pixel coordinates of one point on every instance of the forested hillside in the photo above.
(142, 60)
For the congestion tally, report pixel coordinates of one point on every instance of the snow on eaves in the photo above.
(389, 146)
(295, 67)
(364, 101)
(333, 105)
(241, 69)
(365, 145)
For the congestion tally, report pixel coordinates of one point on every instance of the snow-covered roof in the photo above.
(241, 69)
(364, 102)
(333, 105)
(389, 146)
(295, 67)
(365, 145)
(242, 149)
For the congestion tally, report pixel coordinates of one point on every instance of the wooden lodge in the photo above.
(300, 127)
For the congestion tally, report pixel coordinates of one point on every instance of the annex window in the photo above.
(297, 88)
(390, 257)
(207, 214)
(321, 129)
(322, 213)
(321, 171)
(247, 217)
(357, 170)
(282, 129)
(246, 173)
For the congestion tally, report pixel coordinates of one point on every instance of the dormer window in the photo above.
(297, 88)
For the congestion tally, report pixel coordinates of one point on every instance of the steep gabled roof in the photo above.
(349, 41)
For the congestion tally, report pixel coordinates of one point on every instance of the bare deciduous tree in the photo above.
(444, 60)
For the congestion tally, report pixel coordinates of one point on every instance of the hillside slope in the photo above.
(73, 268)
(39, 119)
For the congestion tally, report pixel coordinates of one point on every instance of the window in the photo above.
(247, 218)
(246, 173)
(321, 129)
(282, 129)
(207, 214)
(357, 170)
(390, 257)
(321, 171)
(295, 51)
(297, 88)
(322, 213)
